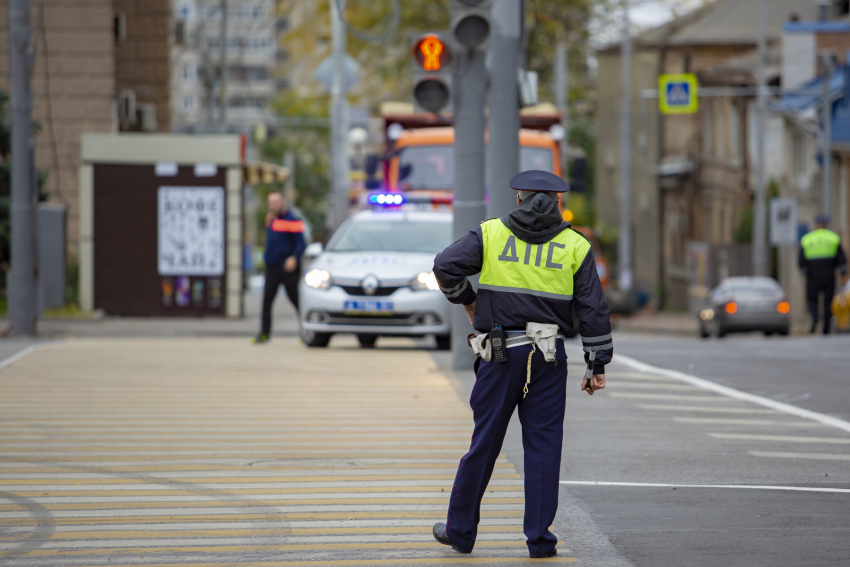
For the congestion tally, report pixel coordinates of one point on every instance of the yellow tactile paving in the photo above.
(213, 452)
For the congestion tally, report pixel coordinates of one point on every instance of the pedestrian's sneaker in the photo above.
(260, 339)
(441, 536)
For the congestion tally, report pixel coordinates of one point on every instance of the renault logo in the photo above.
(369, 285)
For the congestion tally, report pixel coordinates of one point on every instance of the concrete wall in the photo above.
(79, 57)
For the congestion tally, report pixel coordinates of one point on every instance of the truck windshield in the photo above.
(394, 236)
(432, 167)
(427, 167)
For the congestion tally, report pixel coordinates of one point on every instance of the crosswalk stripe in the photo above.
(708, 409)
(809, 456)
(208, 452)
(754, 422)
(782, 438)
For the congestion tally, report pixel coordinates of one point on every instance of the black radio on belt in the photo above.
(498, 342)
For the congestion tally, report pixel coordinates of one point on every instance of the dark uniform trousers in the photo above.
(817, 284)
(498, 390)
(275, 276)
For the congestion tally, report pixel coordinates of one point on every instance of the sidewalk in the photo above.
(284, 324)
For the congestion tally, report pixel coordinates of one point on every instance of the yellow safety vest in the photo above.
(820, 243)
(544, 270)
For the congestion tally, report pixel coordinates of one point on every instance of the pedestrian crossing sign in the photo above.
(677, 94)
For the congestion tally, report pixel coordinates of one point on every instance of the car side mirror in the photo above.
(313, 250)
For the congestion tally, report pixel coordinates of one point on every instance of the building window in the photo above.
(188, 73)
(282, 24)
(119, 26)
(187, 104)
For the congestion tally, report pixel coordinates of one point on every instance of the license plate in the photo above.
(374, 307)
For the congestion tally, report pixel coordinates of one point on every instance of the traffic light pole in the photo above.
(470, 82)
(503, 118)
(23, 296)
(339, 122)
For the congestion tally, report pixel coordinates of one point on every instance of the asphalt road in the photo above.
(648, 429)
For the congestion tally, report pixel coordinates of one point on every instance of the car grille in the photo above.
(380, 292)
(395, 319)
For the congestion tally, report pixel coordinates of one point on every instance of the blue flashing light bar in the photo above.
(386, 199)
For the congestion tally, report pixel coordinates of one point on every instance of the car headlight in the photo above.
(319, 279)
(425, 280)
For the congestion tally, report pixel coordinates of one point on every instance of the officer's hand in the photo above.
(597, 382)
(470, 312)
(290, 264)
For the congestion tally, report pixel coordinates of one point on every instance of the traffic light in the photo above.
(432, 74)
(470, 22)
(578, 175)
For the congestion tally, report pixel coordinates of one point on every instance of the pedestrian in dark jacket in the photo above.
(535, 269)
(284, 246)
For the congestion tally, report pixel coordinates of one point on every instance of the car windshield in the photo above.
(406, 236)
(432, 167)
(766, 289)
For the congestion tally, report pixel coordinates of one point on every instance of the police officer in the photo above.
(820, 255)
(534, 269)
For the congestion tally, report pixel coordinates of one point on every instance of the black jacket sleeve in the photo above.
(841, 261)
(456, 263)
(803, 262)
(592, 312)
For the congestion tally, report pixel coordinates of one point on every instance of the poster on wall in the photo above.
(190, 232)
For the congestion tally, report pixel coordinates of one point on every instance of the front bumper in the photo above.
(415, 313)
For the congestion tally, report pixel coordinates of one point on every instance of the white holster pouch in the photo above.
(481, 345)
(545, 337)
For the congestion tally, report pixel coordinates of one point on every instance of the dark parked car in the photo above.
(746, 305)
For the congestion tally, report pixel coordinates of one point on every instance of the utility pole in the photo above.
(562, 100)
(760, 211)
(470, 95)
(503, 118)
(222, 94)
(339, 120)
(289, 184)
(826, 62)
(23, 283)
(625, 238)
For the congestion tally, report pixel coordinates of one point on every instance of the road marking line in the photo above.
(400, 561)
(244, 480)
(253, 532)
(668, 397)
(811, 456)
(781, 438)
(390, 491)
(735, 486)
(669, 386)
(707, 409)
(279, 548)
(19, 355)
(731, 421)
(176, 517)
(735, 394)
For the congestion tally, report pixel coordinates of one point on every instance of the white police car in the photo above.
(375, 279)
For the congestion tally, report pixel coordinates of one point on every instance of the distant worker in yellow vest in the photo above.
(535, 269)
(820, 255)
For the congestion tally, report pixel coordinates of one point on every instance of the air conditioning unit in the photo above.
(127, 107)
(147, 117)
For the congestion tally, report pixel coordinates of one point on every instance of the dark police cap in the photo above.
(536, 180)
(822, 219)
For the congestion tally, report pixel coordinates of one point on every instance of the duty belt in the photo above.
(519, 338)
